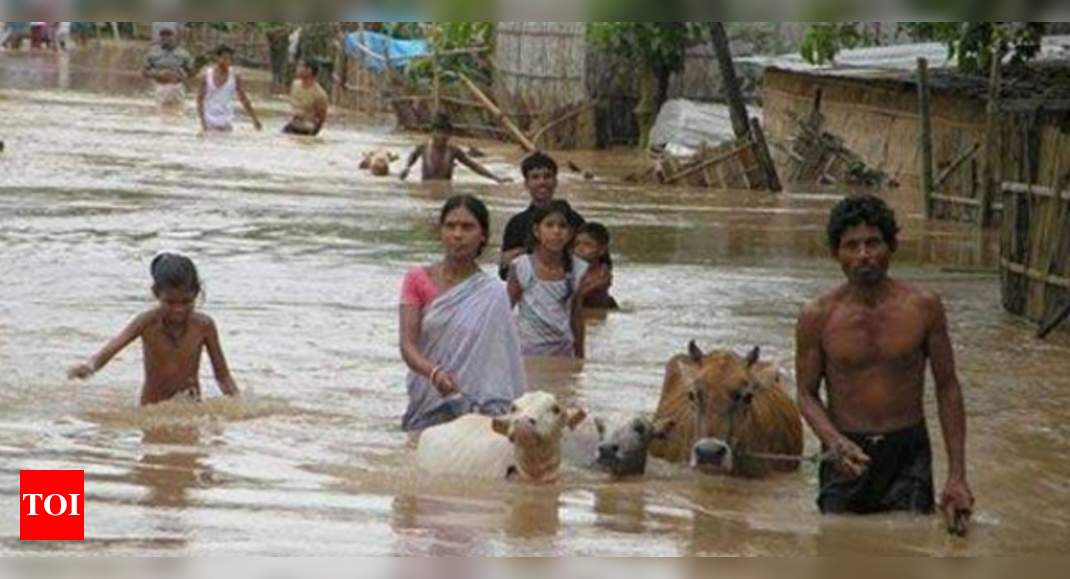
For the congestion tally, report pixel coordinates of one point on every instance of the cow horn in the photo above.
(752, 358)
(695, 352)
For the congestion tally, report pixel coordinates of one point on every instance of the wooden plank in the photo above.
(1037, 190)
(956, 200)
(1034, 274)
(706, 163)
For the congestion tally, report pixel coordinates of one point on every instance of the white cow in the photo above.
(523, 445)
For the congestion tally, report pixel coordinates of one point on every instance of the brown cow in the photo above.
(737, 403)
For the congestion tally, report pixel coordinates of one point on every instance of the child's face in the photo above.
(223, 60)
(461, 234)
(176, 303)
(588, 249)
(541, 184)
(440, 138)
(553, 233)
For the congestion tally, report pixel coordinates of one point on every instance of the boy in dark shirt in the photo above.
(540, 179)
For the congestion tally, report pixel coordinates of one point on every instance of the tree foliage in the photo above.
(660, 47)
(973, 44)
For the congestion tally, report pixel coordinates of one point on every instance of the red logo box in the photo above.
(52, 505)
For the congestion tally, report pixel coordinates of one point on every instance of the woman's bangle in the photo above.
(434, 372)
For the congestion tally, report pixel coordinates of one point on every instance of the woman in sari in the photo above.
(457, 332)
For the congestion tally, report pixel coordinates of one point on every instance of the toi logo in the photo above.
(52, 505)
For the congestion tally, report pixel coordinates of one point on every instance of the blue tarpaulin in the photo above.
(401, 51)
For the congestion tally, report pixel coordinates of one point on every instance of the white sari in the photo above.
(469, 332)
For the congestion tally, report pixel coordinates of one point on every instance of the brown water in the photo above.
(303, 256)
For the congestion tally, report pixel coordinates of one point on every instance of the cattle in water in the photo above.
(524, 445)
(623, 452)
(727, 409)
(378, 162)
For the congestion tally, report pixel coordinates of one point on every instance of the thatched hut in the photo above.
(870, 102)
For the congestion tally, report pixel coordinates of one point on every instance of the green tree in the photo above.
(658, 48)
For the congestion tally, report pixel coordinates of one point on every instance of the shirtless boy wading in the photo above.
(869, 341)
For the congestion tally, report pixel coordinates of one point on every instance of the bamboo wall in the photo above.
(1035, 236)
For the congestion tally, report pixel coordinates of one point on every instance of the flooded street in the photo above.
(302, 258)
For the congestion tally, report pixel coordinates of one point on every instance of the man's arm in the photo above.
(413, 157)
(809, 373)
(951, 406)
(467, 161)
(245, 102)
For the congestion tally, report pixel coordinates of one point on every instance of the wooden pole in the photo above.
(741, 126)
(732, 93)
(925, 137)
(499, 116)
(765, 159)
(991, 140)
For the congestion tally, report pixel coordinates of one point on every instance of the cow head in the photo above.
(722, 395)
(534, 426)
(624, 451)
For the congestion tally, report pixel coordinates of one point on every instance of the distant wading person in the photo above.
(457, 335)
(168, 66)
(309, 101)
(173, 336)
(869, 341)
(221, 86)
(439, 156)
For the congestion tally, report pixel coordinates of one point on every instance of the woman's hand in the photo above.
(445, 383)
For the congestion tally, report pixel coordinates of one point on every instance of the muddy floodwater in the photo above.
(302, 257)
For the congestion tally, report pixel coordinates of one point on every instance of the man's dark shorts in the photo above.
(899, 476)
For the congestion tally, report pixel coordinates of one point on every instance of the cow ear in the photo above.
(600, 426)
(752, 358)
(575, 417)
(500, 425)
(663, 427)
(695, 352)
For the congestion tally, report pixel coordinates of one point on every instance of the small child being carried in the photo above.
(173, 336)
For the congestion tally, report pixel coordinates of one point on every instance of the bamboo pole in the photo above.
(499, 116)
(946, 173)
(925, 136)
(987, 177)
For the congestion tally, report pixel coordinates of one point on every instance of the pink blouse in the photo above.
(418, 289)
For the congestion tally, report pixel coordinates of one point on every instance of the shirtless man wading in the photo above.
(869, 341)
